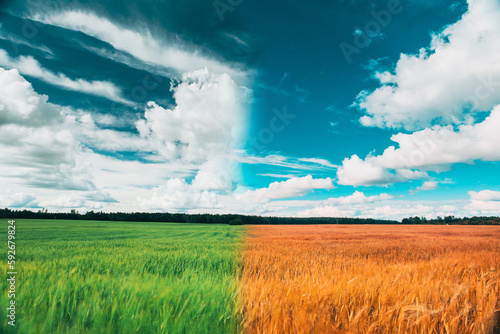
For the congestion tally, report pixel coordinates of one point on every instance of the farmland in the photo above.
(102, 277)
(125, 277)
(371, 279)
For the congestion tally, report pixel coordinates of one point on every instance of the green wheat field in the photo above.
(123, 277)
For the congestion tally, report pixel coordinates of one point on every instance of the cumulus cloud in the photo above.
(41, 157)
(294, 187)
(358, 198)
(400, 209)
(101, 196)
(141, 44)
(208, 119)
(485, 195)
(343, 206)
(457, 75)
(191, 143)
(11, 199)
(20, 104)
(177, 194)
(484, 202)
(84, 127)
(357, 172)
(327, 211)
(484, 208)
(447, 208)
(428, 186)
(407, 210)
(70, 201)
(432, 149)
(217, 174)
(28, 65)
(45, 146)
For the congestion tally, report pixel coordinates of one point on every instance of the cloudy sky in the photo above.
(383, 109)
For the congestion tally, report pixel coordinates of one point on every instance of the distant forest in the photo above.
(234, 219)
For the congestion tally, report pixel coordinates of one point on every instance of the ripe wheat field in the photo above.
(371, 279)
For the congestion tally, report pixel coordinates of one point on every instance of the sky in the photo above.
(373, 109)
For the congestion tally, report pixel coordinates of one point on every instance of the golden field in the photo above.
(371, 279)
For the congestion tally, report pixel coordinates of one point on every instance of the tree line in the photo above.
(204, 218)
(232, 219)
(452, 220)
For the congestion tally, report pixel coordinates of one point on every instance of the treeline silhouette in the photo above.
(232, 219)
(452, 220)
(183, 218)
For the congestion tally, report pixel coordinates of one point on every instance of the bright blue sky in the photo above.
(382, 109)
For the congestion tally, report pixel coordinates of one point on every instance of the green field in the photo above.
(123, 277)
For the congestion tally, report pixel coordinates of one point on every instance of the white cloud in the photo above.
(71, 201)
(238, 39)
(294, 187)
(484, 208)
(28, 65)
(344, 206)
(48, 148)
(44, 146)
(20, 104)
(447, 208)
(208, 120)
(327, 211)
(100, 196)
(130, 61)
(484, 203)
(428, 186)
(127, 177)
(357, 172)
(84, 127)
(279, 176)
(458, 72)
(11, 199)
(299, 164)
(178, 195)
(19, 41)
(358, 198)
(34, 148)
(321, 162)
(485, 195)
(217, 174)
(400, 211)
(170, 52)
(433, 149)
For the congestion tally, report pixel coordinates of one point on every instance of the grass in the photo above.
(371, 279)
(123, 277)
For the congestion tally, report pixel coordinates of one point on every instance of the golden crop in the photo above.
(371, 279)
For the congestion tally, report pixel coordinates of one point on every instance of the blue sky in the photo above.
(383, 109)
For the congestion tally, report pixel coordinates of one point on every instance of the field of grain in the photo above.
(371, 279)
(121, 277)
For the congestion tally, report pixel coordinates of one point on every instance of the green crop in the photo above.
(123, 277)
